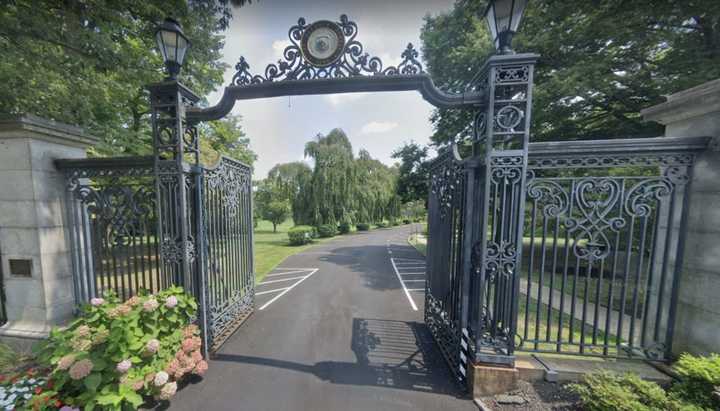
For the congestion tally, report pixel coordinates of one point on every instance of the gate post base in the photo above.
(484, 380)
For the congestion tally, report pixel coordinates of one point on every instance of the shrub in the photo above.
(326, 230)
(344, 228)
(362, 226)
(381, 224)
(406, 221)
(117, 353)
(394, 222)
(606, 391)
(699, 379)
(301, 234)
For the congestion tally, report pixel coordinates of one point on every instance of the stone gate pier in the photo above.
(696, 113)
(34, 249)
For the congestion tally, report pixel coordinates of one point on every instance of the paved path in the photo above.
(337, 331)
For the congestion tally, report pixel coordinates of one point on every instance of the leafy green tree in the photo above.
(87, 62)
(225, 137)
(413, 172)
(601, 61)
(270, 204)
(329, 196)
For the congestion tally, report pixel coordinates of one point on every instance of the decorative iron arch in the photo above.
(346, 69)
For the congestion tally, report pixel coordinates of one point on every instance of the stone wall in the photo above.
(34, 252)
(694, 113)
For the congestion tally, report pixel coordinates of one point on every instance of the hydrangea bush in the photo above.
(117, 354)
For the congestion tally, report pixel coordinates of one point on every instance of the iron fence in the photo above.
(603, 244)
(112, 219)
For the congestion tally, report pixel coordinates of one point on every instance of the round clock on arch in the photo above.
(322, 43)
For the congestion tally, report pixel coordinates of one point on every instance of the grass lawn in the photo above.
(272, 248)
(419, 241)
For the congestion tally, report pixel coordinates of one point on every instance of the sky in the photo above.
(378, 122)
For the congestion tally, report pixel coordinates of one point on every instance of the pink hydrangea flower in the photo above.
(82, 331)
(81, 369)
(161, 378)
(188, 345)
(68, 408)
(123, 366)
(133, 301)
(66, 361)
(172, 366)
(123, 309)
(97, 301)
(171, 302)
(196, 356)
(190, 330)
(168, 390)
(152, 346)
(150, 305)
(138, 385)
(201, 367)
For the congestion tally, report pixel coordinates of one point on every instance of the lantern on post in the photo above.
(503, 18)
(172, 44)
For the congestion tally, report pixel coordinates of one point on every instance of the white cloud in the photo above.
(278, 47)
(375, 127)
(338, 99)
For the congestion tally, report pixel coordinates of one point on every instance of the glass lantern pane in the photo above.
(171, 44)
(161, 44)
(182, 46)
(517, 13)
(503, 10)
(492, 24)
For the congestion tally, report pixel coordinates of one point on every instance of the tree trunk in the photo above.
(274, 227)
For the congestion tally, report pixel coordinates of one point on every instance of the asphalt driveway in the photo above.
(341, 328)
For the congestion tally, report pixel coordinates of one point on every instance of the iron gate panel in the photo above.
(603, 245)
(228, 279)
(111, 213)
(445, 257)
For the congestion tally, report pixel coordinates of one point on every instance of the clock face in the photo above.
(322, 43)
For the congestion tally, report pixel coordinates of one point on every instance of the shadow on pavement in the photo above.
(393, 354)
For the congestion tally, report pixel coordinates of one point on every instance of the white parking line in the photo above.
(416, 289)
(415, 273)
(289, 272)
(414, 281)
(314, 270)
(281, 280)
(272, 291)
(407, 293)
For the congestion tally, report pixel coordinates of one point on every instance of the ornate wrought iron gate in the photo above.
(227, 277)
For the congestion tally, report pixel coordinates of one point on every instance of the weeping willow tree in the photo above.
(339, 188)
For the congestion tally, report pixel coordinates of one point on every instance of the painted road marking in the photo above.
(281, 280)
(314, 270)
(407, 293)
(271, 291)
(289, 272)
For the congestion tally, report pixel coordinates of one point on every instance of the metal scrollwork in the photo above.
(643, 196)
(550, 196)
(446, 183)
(595, 199)
(233, 179)
(352, 60)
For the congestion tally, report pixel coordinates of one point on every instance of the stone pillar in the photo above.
(696, 113)
(36, 266)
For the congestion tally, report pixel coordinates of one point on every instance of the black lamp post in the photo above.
(172, 44)
(503, 18)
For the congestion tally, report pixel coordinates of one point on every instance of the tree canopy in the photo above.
(87, 62)
(340, 188)
(413, 172)
(601, 61)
